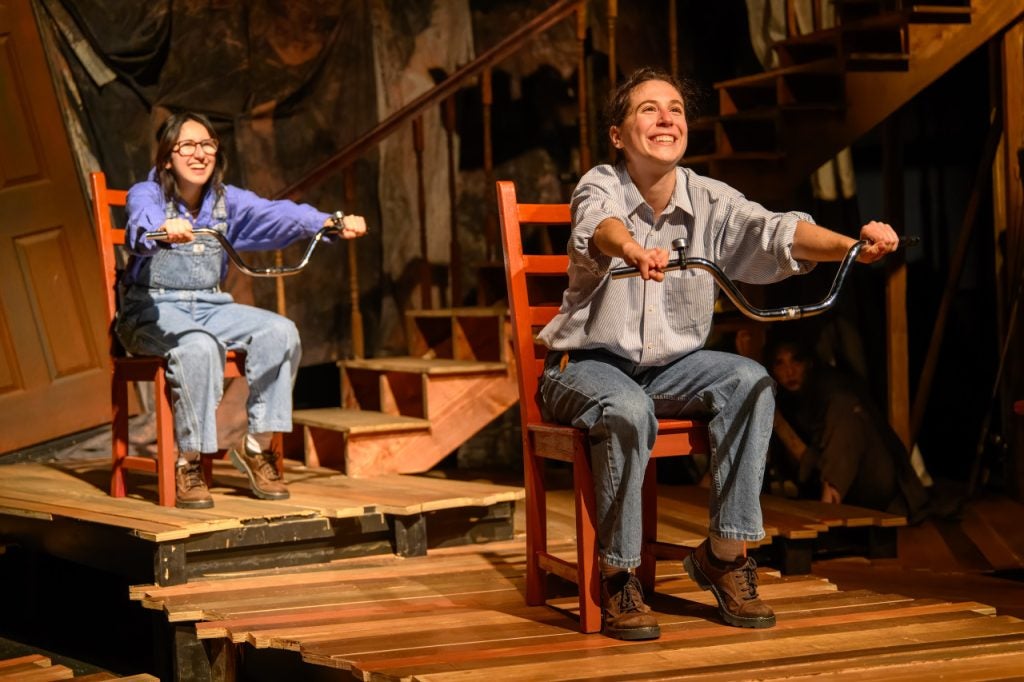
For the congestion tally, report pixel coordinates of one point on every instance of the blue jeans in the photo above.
(193, 330)
(619, 404)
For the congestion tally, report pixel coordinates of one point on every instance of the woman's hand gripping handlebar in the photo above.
(335, 227)
(681, 262)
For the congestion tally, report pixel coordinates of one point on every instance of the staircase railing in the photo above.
(479, 69)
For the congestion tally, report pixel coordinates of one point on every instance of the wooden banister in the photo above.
(357, 148)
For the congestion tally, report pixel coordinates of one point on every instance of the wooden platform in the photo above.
(458, 614)
(65, 510)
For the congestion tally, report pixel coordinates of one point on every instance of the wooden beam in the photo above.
(897, 362)
(1010, 206)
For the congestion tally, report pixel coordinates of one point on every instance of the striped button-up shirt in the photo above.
(653, 323)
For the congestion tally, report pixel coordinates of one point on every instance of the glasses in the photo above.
(188, 147)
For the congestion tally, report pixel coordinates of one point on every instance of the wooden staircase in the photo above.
(405, 414)
(834, 85)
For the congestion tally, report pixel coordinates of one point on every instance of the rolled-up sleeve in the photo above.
(594, 201)
(755, 244)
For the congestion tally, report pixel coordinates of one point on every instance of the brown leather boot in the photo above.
(624, 612)
(261, 468)
(734, 586)
(190, 491)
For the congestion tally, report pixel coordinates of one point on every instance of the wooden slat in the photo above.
(46, 492)
(357, 421)
(433, 366)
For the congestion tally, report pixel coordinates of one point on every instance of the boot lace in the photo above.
(747, 580)
(631, 598)
(266, 463)
(193, 477)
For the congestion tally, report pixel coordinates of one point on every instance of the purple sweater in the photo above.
(253, 223)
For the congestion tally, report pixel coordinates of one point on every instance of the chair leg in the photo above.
(649, 522)
(536, 525)
(166, 451)
(206, 462)
(588, 570)
(119, 434)
(277, 447)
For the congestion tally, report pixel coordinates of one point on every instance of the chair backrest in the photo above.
(535, 285)
(108, 237)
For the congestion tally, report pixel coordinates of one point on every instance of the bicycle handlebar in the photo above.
(161, 235)
(741, 303)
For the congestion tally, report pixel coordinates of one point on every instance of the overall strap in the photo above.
(220, 213)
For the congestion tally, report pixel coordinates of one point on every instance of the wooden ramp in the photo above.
(459, 614)
(65, 510)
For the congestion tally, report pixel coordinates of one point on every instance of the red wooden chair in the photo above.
(125, 369)
(535, 283)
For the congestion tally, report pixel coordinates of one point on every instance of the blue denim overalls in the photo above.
(176, 309)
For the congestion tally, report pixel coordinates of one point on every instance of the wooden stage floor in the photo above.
(458, 614)
(949, 605)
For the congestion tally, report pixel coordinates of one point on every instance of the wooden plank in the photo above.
(679, 639)
(722, 650)
(868, 666)
(481, 311)
(33, 672)
(357, 421)
(34, 659)
(430, 366)
(147, 531)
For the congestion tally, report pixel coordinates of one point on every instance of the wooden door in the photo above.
(53, 350)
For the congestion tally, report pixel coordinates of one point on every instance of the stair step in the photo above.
(931, 11)
(767, 79)
(938, 14)
(735, 156)
(878, 61)
(358, 421)
(466, 333)
(773, 113)
(431, 366)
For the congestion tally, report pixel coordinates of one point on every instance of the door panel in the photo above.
(53, 376)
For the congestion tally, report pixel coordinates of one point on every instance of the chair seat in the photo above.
(565, 443)
(143, 367)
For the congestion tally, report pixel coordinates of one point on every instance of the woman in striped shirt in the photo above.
(626, 352)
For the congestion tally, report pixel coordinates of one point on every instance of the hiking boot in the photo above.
(190, 491)
(261, 468)
(734, 586)
(624, 612)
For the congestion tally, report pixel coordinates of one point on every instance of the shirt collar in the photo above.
(633, 199)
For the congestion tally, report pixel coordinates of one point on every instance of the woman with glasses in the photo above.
(171, 303)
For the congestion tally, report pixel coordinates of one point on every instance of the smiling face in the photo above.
(193, 171)
(653, 134)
